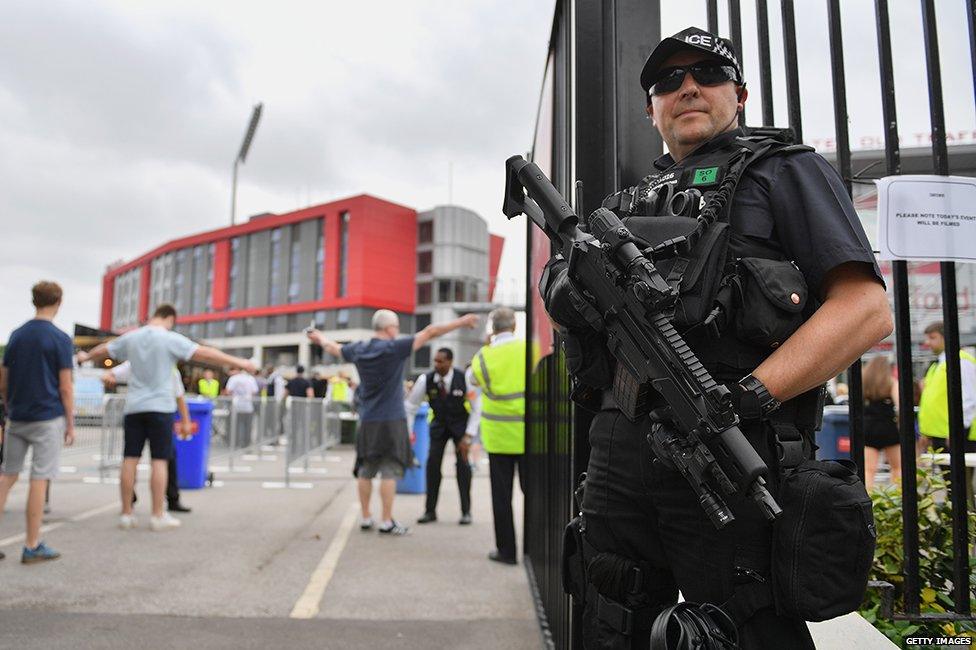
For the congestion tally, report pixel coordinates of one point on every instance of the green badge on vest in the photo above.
(705, 176)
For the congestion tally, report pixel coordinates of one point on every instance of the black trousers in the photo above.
(434, 461)
(172, 489)
(502, 473)
(644, 511)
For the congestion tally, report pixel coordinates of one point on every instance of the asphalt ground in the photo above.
(252, 555)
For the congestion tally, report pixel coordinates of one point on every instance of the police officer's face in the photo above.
(935, 341)
(693, 114)
(441, 364)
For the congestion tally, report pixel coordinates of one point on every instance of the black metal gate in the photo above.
(591, 129)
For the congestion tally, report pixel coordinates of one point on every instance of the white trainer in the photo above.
(127, 522)
(166, 522)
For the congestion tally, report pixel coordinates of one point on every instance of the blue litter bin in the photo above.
(834, 437)
(193, 454)
(414, 481)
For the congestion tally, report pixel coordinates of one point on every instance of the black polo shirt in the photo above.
(799, 201)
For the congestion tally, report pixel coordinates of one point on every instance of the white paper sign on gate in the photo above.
(927, 218)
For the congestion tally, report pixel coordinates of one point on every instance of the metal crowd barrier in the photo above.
(111, 439)
(311, 426)
(301, 426)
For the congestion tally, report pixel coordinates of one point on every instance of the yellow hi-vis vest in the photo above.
(208, 387)
(933, 407)
(340, 390)
(500, 371)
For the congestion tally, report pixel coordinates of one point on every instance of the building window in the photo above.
(179, 284)
(291, 323)
(421, 358)
(343, 253)
(319, 258)
(235, 270)
(319, 318)
(424, 293)
(196, 290)
(425, 262)
(294, 266)
(211, 251)
(425, 232)
(342, 319)
(443, 291)
(421, 321)
(230, 327)
(274, 289)
(459, 293)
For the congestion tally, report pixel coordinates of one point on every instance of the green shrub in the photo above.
(935, 558)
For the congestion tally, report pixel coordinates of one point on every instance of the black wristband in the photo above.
(763, 401)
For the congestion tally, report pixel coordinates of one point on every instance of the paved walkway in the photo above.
(251, 558)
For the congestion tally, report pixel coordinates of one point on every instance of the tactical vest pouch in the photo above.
(823, 544)
(696, 268)
(772, 297)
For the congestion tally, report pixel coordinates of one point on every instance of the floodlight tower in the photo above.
(241, 156)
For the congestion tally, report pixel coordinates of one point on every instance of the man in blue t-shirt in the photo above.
(35, 384)
(152, 352)
(383, 440)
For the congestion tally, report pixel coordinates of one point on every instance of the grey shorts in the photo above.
(382, 467)
(46, 438)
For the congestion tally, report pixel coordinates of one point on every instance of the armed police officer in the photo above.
(777, 292)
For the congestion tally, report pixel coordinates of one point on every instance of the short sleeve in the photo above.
(403, 347)
(178, 390)
(350, 352)
(118, 348)
(814, 219)
(65, 353)
(122, 371)
(180, 346)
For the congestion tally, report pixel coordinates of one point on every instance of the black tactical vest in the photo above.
(450, 416)
(761, 296)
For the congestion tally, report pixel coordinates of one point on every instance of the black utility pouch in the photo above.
(695, 266)
(773, 295)
(823, 544)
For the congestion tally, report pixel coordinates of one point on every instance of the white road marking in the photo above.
(278, 485)
(307, 605)
(88, 514)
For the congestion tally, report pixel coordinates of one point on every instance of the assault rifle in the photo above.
(704, 443)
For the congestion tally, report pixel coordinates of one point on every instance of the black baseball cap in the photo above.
(691, 38)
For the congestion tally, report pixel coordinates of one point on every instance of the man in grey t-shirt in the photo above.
(152, 351)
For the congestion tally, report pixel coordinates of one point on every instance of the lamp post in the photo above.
(241, 156)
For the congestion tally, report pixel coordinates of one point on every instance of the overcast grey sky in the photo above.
(119, 120)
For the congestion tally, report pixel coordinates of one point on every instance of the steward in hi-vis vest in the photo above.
(933, 407)
(208, 386)
(499, 369)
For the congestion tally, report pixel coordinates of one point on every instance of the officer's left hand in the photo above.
(186, 428)
(565, 303)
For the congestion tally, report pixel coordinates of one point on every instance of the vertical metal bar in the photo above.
(232, 436)
(792, 69)
(765, 63)
(842, 138)
(950, 317)
(903, 333)
(712, 10)
(735, 31)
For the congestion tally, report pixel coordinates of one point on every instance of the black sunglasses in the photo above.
(707, 74)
